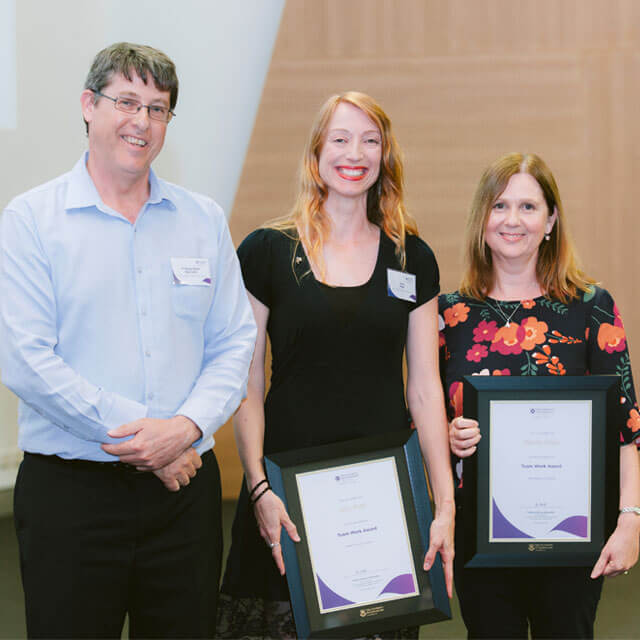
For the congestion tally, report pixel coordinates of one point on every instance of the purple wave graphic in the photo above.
(400, 584)
(577, 525)
(502, 528)
(393, 295)
(330, 598)
(207, 280)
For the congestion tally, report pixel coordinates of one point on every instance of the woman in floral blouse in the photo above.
(525, 308)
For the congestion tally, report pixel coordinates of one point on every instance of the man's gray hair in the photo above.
(127, 59)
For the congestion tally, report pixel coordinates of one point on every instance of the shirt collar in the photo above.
(82, 191)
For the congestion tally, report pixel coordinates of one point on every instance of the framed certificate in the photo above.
(542, 488)
(362, 511)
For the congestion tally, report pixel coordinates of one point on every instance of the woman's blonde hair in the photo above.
(557, 270)
(385, 204)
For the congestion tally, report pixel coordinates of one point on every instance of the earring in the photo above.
(547, 237)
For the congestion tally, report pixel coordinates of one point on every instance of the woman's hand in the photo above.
(441, 540)
(621, 551)
(464, 435)
(271, 517)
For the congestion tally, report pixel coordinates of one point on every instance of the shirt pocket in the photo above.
(190, 301)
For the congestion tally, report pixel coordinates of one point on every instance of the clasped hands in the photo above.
(162, 446)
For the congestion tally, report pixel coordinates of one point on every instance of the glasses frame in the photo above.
(170, 113)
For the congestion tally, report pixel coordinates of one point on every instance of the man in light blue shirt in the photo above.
(127, 335)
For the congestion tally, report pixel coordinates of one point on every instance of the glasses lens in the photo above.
(127, 105)
(159, 113)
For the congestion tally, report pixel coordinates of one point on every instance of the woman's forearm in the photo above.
(427, 411)
(629, 484)
(248, 427)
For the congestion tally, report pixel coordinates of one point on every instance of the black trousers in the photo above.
(556, 602)
(99, 541)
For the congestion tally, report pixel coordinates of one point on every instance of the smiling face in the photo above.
(124, 144)
(349, 161)
(518, 221)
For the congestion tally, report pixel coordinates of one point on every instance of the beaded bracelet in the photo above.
(256, 486)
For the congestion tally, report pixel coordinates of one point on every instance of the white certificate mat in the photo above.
(357, 534)
(540, 471)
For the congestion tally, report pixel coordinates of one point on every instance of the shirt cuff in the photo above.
(123, 411)
(206, 423)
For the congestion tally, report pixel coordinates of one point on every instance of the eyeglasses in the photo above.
(130, 105)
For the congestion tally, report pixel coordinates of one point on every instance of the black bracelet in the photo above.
(256, 486)
(261, 494)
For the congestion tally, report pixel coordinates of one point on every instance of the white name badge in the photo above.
(401, 285)
(191, 271)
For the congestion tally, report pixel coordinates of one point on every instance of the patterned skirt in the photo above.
(260, 619)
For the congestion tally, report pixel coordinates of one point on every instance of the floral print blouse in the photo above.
(543, 337)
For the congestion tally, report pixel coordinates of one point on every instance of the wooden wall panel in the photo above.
(465, 81)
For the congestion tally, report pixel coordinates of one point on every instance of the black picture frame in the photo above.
(478, 393)
(432, 603)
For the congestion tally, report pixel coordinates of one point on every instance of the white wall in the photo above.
(222, 50)
(7, 64)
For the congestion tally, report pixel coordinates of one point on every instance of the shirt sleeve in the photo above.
(421, 262)
(30, 365)
(608, 353)
(254, 254)
(230, 336)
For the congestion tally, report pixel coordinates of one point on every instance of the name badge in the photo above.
(191, 271)
(401, 285)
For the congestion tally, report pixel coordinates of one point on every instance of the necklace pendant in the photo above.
(507, 325)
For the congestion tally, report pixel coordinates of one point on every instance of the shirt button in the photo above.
(139, 269)
(147, 353)
(150, 395)
(143, 312)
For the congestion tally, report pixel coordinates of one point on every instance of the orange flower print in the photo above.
(555, 367)
(634, 420)
(507, 339)
(455, 398)
(528, 304)
(611, 338)
(458, 313)
(501, 372)
(586, 333)
(540, 358)
(553, 364)
(534, 333)
(559, 338)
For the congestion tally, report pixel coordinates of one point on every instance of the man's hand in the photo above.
(179, 472)
(155, 443)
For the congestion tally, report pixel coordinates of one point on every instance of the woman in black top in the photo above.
(340, 286)
(524, 308)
